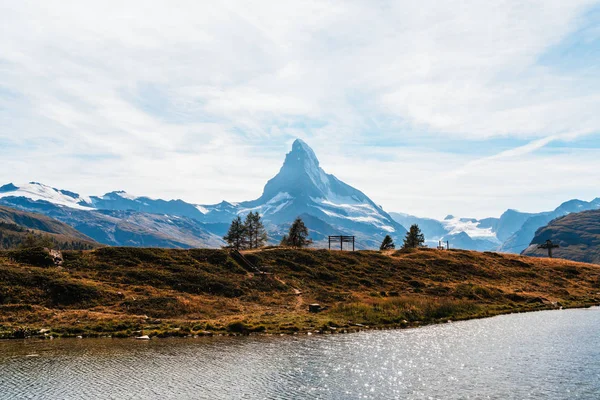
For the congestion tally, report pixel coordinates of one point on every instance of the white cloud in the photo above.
(198, 99)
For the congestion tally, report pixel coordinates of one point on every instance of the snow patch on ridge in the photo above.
(120, 193)
(360, 218)
(274, 205)
(126, 195)
(38, 192)
(202, 209)
(350, 206)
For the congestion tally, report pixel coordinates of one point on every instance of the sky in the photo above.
(430, 108)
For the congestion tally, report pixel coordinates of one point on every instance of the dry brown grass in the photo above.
(121, 291)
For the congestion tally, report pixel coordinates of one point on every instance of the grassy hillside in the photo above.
(577, 234)
(122, 291)
(19, 227)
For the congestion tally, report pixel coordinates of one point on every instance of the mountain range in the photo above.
(301, 188)
(512, 232)
(576, 234)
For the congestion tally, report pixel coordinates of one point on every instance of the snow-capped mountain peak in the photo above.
(300, 174)
(302, 187)
(36, 191)
(119, 194)
(302, 150)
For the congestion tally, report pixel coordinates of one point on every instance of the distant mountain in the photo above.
(521, 239)
(125, 227)
(16, 225)
(36, 191)
(301, 188)
(462, 240)
(120, 200)
(510, 233)
(509, 223)
(431, 228)
(577, 234)
(462, 233)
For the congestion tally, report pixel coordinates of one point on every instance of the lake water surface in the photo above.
(542, 355)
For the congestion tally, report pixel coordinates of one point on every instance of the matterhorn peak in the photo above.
(302, 150)
(300, 175)
(302, 157)
(302, 187)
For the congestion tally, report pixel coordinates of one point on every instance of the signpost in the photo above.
(548, 245)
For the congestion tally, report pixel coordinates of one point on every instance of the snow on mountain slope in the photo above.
(511, 232)
(273, 206)
(121, 200)
(349, 208)
(39, 192)
(464, 233)
(471, 227)
(127, 227)
(119, 193)
(302, 187)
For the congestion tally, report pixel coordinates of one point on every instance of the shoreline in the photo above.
(307, 332)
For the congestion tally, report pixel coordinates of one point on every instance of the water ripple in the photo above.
(545, 355)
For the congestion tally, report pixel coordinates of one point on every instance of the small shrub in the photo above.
(416, 284)
(237, 327)
(23, 332)
(262, 328)
(36, 256)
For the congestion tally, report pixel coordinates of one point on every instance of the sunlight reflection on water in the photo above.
(543, 355)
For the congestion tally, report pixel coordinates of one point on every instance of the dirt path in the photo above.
(297, 292)
(299, 299)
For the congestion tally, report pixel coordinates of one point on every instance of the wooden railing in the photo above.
(244, 262)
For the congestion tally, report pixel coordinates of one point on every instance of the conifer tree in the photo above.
(414, 238)
(255, 230)
(387, 243)
(297, 236)
(284, 241)
(37, 240)
(236, 234)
